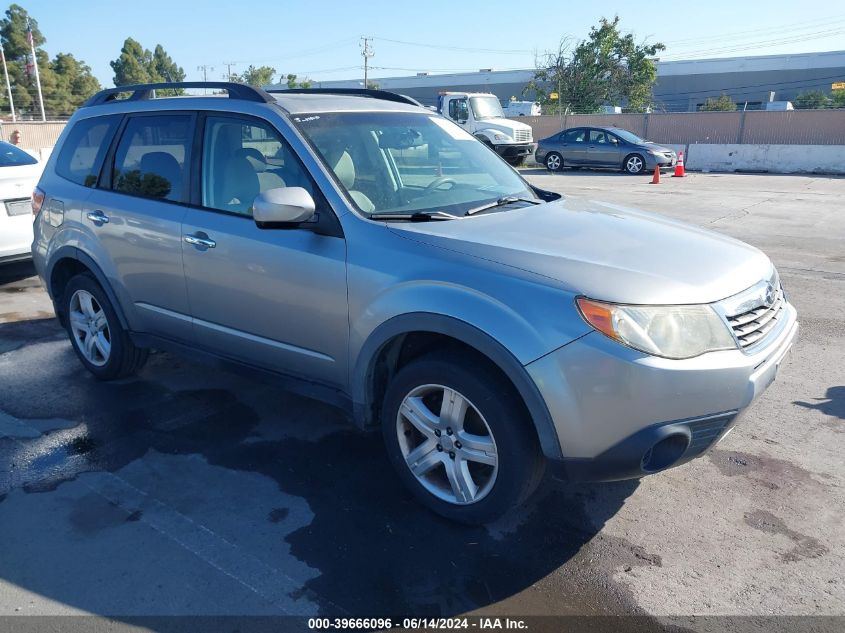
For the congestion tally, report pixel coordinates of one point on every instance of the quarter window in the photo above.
(151, 157)
(242, 158)
(82, 153)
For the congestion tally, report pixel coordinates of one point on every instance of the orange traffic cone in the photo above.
(656, 179)
(679, 167)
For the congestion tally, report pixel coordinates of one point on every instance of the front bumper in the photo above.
(515, 150)
(662, 161)
(610, 404)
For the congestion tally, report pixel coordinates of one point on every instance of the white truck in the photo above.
(481, 115)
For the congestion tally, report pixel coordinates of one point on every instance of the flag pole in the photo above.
(8, 85)
(35, 66)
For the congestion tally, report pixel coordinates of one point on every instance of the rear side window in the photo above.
(152, 155)
(82, 153)
(574, 136)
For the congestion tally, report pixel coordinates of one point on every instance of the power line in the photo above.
(455, 48)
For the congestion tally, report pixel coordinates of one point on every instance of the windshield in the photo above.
(628, 136)
(11, 156)
(486, 108)
(404, 162)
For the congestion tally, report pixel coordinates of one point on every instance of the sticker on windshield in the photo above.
(451, 129)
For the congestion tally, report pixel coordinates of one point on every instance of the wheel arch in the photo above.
(382, 353)
(69, 261)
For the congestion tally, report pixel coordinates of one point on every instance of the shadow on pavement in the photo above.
(833, 404)
(368, 547)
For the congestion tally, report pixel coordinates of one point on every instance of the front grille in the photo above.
(705, 432)
(754, 324)
(522, 136)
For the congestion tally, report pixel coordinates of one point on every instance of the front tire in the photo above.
(633, 164)
(516, 162)
(554, 161)
(459, 438)
(97, 337)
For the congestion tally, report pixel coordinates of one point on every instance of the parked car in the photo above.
(603, 147)
(372, 253)
(19, 172)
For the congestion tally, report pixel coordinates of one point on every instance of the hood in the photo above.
(657, 148)
(604, 251)
(508, 126)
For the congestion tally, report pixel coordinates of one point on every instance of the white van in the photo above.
(523, 108)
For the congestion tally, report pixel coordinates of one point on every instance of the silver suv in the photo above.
(373, 254)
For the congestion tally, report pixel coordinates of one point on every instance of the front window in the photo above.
(486, 108)
(629, 136)
(410, 163)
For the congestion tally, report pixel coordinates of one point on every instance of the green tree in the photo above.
(259, 77)
(132, 65)
(138, 65)
(837, 99)
(163, 68)
(607, 68)
(718, 104)
(293, 83)
(812, 100)
(65, 81)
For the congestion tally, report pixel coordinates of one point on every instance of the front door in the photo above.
(275, 298)
(602, 151)
(137, 215)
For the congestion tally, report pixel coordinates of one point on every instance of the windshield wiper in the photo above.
(501, 202)
(417, 216)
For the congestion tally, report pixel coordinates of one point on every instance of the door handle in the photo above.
(196, 240)
(98, 217)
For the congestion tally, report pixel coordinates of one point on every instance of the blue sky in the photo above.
(321, 39)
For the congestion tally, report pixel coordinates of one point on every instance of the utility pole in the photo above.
(228, 66)
(205, 68)
(8, 86)
(366, 53)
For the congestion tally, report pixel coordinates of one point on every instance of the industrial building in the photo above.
(682, 86)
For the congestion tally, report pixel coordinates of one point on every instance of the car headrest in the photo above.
(344, 169)
(255, 158)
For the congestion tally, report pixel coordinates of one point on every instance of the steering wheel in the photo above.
(439, 182)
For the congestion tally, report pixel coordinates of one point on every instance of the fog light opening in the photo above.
(665, 453)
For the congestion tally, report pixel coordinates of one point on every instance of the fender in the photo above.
(72, 252)
(470, 335)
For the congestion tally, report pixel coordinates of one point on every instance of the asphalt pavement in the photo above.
(199, 489)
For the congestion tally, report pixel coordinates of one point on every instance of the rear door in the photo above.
(136, 215)
(274, 298)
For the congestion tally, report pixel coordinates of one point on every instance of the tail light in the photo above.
(37, 200)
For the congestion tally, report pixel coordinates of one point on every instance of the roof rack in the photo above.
(384, 95)
(142, 92)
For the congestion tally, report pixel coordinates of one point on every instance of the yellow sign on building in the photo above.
(554, 96)
(840, 85)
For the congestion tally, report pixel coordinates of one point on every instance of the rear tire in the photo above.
(554, 161)
(96, 334)
(498, 464)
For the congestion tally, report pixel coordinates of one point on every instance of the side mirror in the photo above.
(285, 207)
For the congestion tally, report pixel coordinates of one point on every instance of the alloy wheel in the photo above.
(90, 328)
(553, 162)
(634, 165)
(447, 444)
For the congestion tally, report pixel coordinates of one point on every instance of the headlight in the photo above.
(669, 331)
(501, 137)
